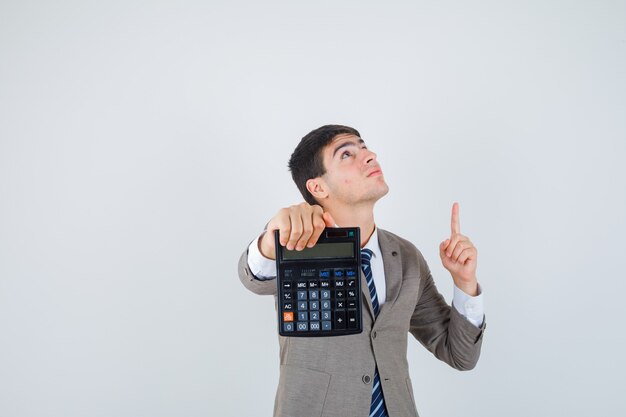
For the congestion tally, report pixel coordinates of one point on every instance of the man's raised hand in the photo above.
(459, 256)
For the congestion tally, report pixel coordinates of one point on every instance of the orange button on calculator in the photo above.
(288, 316)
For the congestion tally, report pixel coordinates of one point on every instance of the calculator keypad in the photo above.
(315, 302)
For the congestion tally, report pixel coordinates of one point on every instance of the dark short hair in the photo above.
(306, 161)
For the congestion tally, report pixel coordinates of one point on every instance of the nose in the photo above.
(369, 157)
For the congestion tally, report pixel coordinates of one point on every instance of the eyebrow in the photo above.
(349, 143)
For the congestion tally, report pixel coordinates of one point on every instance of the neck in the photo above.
(353, 216)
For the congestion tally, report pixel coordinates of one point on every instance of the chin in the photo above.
(384, 188)
(384, 191)
(379, 193)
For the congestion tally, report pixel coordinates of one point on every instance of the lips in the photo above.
(375, 173)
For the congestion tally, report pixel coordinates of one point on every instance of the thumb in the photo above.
(328, 219)
(442, 248)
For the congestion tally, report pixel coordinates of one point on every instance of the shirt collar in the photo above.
(372, 244)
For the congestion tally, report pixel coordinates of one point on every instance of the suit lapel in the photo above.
(366, 294)
(392, 263)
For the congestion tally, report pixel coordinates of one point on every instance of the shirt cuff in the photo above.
(261, 267)
(470, 307)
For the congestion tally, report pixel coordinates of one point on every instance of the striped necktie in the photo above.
(377, 409)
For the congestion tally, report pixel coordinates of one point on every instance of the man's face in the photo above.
(353, 174)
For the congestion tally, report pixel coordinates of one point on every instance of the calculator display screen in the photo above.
(322, 250)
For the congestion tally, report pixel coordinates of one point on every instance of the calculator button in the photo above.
(351, 293)
(287, 285)
(288, 306)
(340, 320)
(314, 305)
(340, 283)
(302, 305)
(350, 273)
(288, 327)
(352, 323)
(351, 304)
(287, 296)
(308, 273)
(315, 325)
(326, 315)
(326, 305)
(324, 273)
(303, 316)
(340, 294)
(351, 283)
(340, 304)
(324, 284)
(303, 326)
(301, 295)
(314, 295)
(288, 316)
(315, 315)
(339, 273)
(301, 285)
(313, 284)
(326, 325)
(325, 294)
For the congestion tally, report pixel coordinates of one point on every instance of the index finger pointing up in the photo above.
(456, 226)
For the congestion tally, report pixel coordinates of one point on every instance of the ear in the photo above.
(318, 189)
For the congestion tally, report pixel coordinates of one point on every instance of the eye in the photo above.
(345, 154)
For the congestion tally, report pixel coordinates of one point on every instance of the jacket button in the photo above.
(366, 379)
(374, 334)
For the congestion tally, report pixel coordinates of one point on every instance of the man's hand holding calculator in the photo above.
(300, 226)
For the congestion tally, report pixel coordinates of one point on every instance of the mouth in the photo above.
(375, 173)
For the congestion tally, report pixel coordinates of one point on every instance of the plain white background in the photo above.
(144, 144)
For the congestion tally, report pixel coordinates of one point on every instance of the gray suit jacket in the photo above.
(331, 376)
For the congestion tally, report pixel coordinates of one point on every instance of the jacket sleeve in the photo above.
(257, 286)
(441, 328)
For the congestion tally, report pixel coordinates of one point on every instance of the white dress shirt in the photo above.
(470, 307)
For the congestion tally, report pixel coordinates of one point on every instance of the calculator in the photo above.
(319, 288)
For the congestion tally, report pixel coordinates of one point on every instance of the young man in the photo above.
(364, 374)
